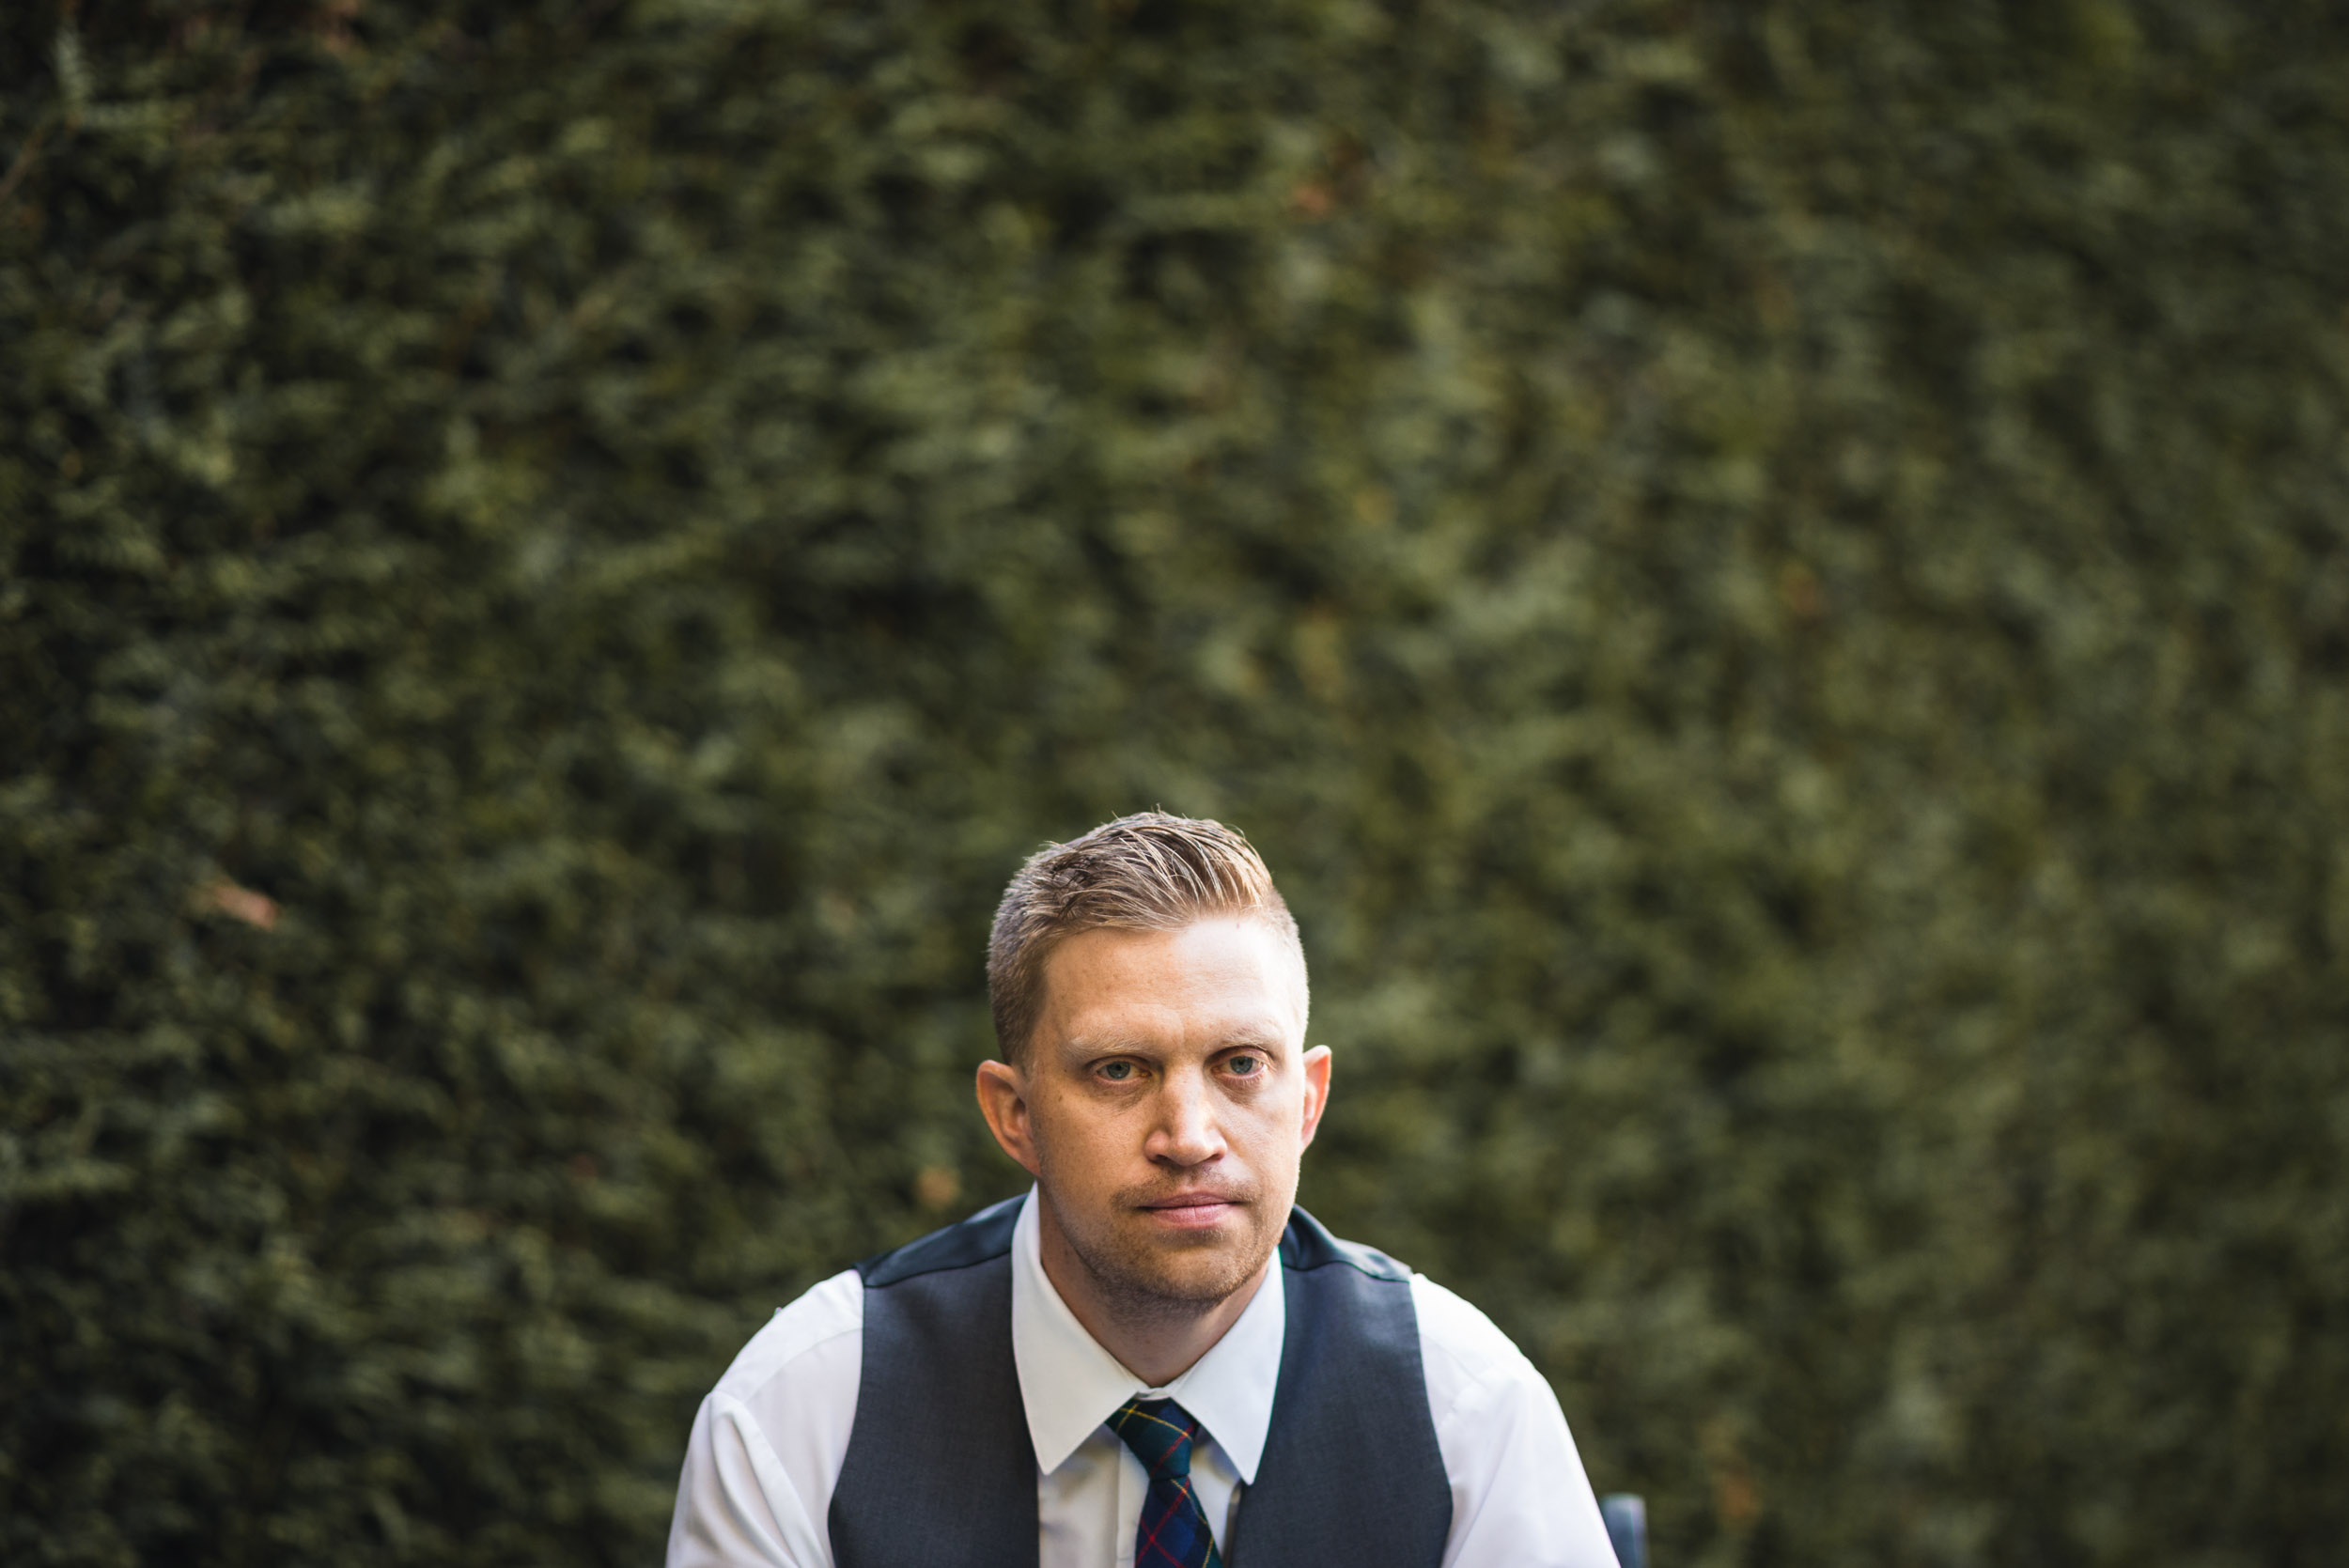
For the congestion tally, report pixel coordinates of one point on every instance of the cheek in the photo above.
(1072, 1135)
(1267, 1121)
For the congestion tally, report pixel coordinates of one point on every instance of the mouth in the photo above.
(1194, 1211)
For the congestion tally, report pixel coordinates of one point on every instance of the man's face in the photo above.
(1163, 1105)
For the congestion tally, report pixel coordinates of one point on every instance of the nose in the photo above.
(1187, 1133)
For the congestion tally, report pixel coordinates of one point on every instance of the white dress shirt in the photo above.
(767, 1445)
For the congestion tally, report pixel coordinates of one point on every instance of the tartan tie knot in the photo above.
(1160, 1431)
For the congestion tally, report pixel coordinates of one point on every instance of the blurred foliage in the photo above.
(1772, 579)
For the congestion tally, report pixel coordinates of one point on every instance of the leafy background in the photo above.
(1772, 579)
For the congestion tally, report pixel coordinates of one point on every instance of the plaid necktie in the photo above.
(1173, 1530)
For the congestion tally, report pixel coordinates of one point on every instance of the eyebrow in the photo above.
(1257, 1039)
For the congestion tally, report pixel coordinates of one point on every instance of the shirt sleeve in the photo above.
(769, 1442)
(1519, 1497)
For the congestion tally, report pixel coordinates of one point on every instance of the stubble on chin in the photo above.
(1144, 1280)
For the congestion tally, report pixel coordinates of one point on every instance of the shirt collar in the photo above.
(1070, 1384)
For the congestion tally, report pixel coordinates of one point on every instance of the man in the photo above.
(1152, 1359)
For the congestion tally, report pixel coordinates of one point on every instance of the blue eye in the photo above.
(1117, 1072)
(1246, 1066)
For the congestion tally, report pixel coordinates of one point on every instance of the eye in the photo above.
(1118, 1072)
(1244, 1065)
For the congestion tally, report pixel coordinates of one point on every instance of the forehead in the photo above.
(1207, 978)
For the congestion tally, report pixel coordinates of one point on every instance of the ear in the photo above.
(1316, 1065)
(1003, 1102)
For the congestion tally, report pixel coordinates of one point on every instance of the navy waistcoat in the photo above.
(940, 1472)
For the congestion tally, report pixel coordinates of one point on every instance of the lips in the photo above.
(1190, 1211)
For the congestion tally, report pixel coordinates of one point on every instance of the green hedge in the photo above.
(1773, 580)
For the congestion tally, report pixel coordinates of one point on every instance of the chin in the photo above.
(1182, 1272)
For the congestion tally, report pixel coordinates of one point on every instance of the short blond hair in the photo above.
(1146, 872)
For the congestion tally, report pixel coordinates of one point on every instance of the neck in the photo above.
(1155, 1337)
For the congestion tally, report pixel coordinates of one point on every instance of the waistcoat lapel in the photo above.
(940, 1472)
(1351, 1471)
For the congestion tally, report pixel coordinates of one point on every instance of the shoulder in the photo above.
(982, 1237)
(1468, 1362)
(792, 1345)
(1307, 1245)
(1458, 1342)
(1519, 1493)
(765, 1449)
(1457, 1331)
(1468, 1359)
